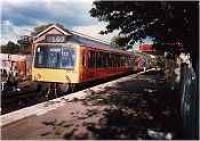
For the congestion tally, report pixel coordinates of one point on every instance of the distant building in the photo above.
(25, 42)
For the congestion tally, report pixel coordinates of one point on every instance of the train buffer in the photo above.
(138, 106)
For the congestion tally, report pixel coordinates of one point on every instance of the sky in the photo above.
(19, 17)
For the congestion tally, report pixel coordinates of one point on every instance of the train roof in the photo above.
(83, 39)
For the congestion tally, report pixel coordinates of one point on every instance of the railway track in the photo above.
(14, 100)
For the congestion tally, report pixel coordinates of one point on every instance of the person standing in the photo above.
(12, 77)
(144, 64)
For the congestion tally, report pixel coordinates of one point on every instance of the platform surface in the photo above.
(125, 108)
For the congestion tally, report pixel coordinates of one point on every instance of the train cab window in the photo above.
(54, 57)
(68, 58)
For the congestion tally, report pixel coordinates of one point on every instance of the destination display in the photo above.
(55, 38)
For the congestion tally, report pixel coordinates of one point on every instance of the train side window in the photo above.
(102, 60)
(129, 61)
(97, 59)
(88, 58)
(126, 61)
(123, 61)
(110, 60)
(84, 58)
(91, 59)
(106, 59)
(114, 60)
(101, 64)
(118, 60)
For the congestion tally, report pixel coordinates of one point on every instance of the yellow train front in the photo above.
(68, 58)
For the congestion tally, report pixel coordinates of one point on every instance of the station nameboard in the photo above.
(55, 38)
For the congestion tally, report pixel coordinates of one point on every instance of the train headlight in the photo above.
(67, 79)
(37, 76)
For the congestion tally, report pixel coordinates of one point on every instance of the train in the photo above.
(66, 58)
(144, 59)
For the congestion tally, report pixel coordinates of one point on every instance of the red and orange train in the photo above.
(67, 58)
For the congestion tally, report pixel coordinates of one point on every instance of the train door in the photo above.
(83, 69)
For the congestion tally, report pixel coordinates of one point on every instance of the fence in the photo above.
(188, 90)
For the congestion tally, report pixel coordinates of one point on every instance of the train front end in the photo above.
(56, 63)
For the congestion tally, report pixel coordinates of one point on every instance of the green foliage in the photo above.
(166, 20)
(10, 47)
(119, 42)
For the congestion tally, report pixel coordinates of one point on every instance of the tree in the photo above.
(25, 44)
(171, 22)
(119, 42)
(10, 47)
(167, 20)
